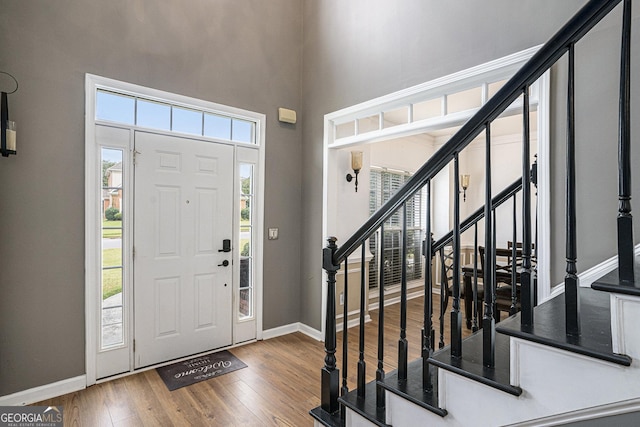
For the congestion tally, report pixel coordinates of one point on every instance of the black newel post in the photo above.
(330, 375)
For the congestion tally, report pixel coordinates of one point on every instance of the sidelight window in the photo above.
(112, 277)
(247, 184)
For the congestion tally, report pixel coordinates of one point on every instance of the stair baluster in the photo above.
(362, 379)
(456, 316)
(514, 251)
(403, 346)
(444, 295)
(427, 330)
(488, 322)
(380, 402)
(345, 337)
(526, 284)
(572, 298)
(494, 289)
(625, 220)
(474, 325)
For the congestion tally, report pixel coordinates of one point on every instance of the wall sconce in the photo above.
(356, 165)
(7, 127)
(464, 182)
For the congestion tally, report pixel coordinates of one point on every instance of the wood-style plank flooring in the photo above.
(278, 388)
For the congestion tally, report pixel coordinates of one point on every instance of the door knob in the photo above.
(225, 263)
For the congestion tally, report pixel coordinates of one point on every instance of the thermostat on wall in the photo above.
(287, 116)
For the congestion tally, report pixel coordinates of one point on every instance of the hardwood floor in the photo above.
(278, 388)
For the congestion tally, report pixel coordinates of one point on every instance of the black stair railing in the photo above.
(561, 44)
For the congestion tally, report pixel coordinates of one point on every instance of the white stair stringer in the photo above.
(553, 382)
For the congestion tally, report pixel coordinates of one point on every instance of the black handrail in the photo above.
(537, 65)
(498, 200)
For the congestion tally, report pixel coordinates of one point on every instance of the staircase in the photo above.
(570, 358)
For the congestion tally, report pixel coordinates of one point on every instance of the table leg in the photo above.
(468, 300)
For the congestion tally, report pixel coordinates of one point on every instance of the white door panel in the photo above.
(183, 212)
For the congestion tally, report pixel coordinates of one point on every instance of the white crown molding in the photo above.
(456, 81)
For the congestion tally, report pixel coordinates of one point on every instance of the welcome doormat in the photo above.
(198, 369)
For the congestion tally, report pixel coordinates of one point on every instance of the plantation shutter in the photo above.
(384, 184)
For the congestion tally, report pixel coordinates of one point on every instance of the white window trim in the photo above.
(92, 198)
(502, 68)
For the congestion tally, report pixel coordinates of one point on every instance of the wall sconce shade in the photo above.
(464, 183)
(356, 165)
(7, 127)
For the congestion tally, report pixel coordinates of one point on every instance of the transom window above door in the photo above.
(148, 113)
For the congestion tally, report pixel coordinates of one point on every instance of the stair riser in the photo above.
(353, 419)
(625, 318)
(401, 412)
(557, 381)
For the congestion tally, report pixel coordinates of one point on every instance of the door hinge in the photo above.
(134, 345)
(133, 253)
(135, 153)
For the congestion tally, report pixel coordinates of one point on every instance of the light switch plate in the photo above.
(273, 234)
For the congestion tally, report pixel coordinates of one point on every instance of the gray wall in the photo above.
(245, 54)
(597, 85)
(357, 50)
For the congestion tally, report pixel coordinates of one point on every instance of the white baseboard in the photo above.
(351, 323)
(592, 274)
(395, 300)
(309, 331)
(44, 392)
(290, 329)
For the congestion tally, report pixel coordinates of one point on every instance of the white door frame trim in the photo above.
(491, 71)
(92, 198)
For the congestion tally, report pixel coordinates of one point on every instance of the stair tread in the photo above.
(610, 282)
(470, 364)
(366, 406)
(411, 388)
(325, 418)
(549, 321)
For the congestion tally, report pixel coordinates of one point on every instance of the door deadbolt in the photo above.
(226, 246)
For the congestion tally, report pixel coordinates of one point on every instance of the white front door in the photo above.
(182, 276)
